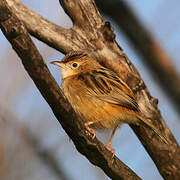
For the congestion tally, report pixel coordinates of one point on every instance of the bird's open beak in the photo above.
(58, 63)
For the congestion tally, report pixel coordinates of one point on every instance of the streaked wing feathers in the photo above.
(107, 86)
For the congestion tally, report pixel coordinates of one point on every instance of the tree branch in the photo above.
(97, 37)
(42, 29)
(157, 59)
(93, 149)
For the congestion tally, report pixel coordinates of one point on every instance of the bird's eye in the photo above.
(74, 65)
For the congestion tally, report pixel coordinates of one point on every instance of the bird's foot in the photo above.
(91, 130)
(108, 146)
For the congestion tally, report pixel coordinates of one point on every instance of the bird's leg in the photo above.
(91, 130)
(108, 146)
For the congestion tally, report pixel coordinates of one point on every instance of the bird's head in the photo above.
(74, 63)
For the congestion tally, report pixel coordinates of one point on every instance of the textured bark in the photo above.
(48, 32)
(154, 56)
(91, 33)
(33, 62)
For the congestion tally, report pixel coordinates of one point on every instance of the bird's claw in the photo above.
(110, 149)
(91, 130)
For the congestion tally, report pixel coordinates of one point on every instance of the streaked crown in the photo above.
(74, 55)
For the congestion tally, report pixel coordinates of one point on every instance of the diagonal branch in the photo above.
(93, 149)
(81, 18)
(43, 29)
(99, 41)
(157, 59)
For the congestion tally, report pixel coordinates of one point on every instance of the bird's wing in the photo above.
(107, 86)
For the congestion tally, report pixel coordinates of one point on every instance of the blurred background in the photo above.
(33, 144)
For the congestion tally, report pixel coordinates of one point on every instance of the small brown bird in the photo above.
(99, 96)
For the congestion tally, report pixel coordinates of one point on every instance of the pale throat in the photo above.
(67, 72)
